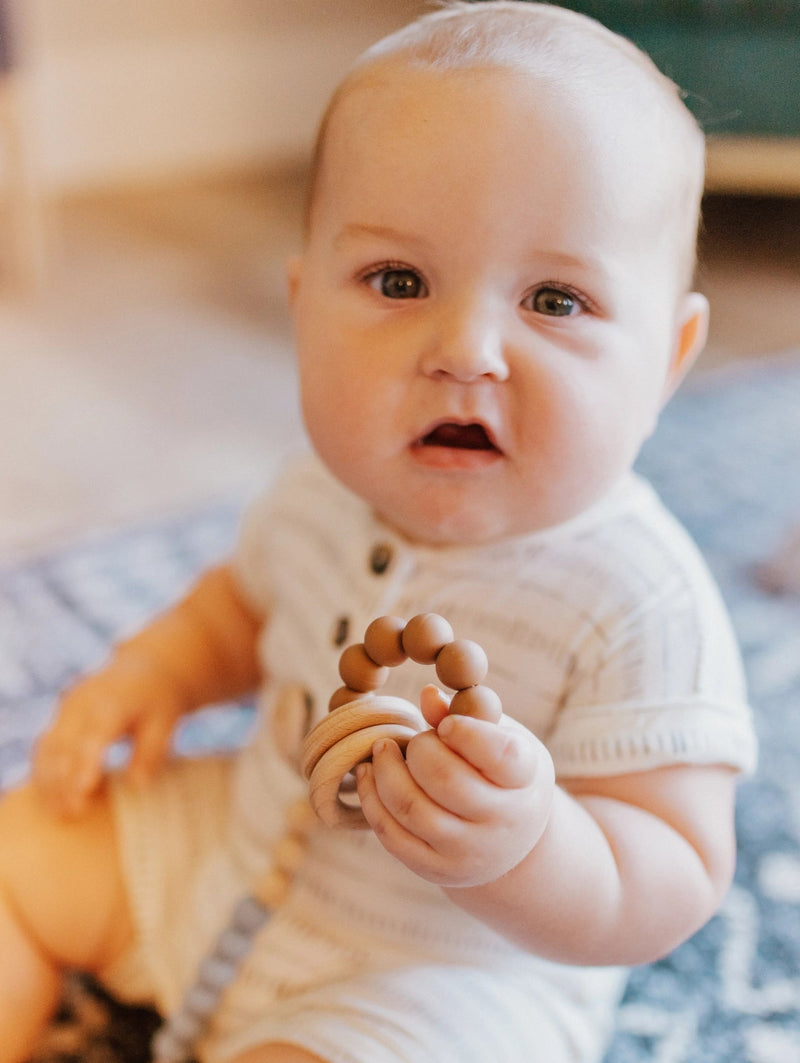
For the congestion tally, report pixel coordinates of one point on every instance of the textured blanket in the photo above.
(726, 458)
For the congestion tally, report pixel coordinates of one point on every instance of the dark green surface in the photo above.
(754, 14)
(737, 60)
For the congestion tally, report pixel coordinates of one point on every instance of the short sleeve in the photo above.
(661, 683)
(251, 555)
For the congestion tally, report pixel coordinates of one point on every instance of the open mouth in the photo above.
(473, 436)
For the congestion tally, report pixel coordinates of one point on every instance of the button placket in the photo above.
(384, 573)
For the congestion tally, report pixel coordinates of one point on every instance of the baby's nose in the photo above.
(467, 344)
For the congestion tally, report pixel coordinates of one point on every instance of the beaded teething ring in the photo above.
(358, 717)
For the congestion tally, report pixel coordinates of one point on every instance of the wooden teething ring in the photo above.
(358, 717)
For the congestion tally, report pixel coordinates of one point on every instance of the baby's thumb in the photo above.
(434, 704)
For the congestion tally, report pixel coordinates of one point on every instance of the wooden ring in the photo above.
(373, 710)
(338, 761)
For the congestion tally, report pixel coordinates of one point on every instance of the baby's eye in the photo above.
(398, 283)
(554, 302)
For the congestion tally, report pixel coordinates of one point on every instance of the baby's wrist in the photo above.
(141, 661)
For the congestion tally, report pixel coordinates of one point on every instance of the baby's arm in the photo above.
(201, 651)
(627, 868)
(595, 871)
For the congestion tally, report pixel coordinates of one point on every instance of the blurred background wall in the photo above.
(117, 92)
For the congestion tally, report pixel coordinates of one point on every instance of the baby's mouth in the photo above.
(459, 436)
(473, 436)
(452, 444)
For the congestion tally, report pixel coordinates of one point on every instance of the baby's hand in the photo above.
(123, 701)
(468, 803)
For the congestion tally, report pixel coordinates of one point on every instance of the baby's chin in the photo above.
(500, 509)
(430, 524)
(441, 505)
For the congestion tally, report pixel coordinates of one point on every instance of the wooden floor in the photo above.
(154, 370)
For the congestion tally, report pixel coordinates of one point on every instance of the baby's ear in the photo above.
(294, 269)
(691, 333)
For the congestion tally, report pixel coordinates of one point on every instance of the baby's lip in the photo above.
(459, 435)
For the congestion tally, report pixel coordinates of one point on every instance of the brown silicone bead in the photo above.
(425, 635)
(462, 663)
(480, 702)
(359, 672)
(343, 696)
(383, 641)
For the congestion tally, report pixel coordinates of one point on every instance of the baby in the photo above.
(491, 307)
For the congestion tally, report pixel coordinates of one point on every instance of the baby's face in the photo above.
(487, 308)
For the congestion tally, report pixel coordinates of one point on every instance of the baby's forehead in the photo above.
(634, 113)
(609, 120)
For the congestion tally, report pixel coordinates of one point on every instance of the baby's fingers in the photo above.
(67, 773)
(69, 758)
(434, 704)
(506, 754)
(408, 824)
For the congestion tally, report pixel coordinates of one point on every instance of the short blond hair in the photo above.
(554, 45)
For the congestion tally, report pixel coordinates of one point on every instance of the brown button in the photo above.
(381, 558)
(341, 631)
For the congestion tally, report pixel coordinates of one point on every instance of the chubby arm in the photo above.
(201, 651)
(628, 867)
(594, 871)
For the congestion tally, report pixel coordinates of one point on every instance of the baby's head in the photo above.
(564, 50)
(492, 303)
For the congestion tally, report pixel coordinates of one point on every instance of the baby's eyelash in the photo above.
(582, 301)
(384, 267)
(417, 287)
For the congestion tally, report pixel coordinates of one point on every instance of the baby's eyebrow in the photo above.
(561, 259)
(364, 230)
(361, 230)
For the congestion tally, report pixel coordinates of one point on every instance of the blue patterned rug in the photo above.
(726, 458)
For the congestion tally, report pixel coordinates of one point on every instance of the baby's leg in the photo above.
(62, 904)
